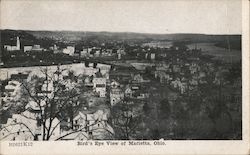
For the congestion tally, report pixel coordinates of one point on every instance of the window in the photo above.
(100, 85)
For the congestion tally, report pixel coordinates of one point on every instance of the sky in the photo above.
(163, 17)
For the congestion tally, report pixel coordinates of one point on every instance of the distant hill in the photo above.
(78, 35)
(6, 35)
(9, 37)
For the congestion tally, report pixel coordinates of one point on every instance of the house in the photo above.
(97, 53)
(162, 76)
(35, 107)
(84, 52)
(139, 79)
(88, 81)
(70, 50)
(142, 94)
(93, 123)
(194, 68)
(21, 127)
(152, 56)
(114, 84)
(116, 95)
(46, 89)
(99, 84)
(37, 48)
(128, 91)
(135, 87)
(120, 52)
(12, 91)
(27, 48)
(176, 68)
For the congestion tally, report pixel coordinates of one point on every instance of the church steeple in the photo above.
(18, 43)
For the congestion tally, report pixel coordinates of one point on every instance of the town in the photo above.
(115, 89)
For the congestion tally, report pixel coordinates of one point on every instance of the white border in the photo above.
(230, 147)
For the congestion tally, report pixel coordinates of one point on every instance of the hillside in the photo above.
(33, 36)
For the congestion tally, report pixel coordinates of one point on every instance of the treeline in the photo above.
(234, 44)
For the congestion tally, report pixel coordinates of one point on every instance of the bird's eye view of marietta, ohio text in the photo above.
(136, 71)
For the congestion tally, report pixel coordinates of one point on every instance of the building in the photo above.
(116, 95)
(15, 47)
(139, 79)
(99, 86)
(27, 48)
(84, 52)
(46, 89)
(21, 127)
(95, 124)
(114, 84)
(18, 44)
(1, 59)
(152, 56)
(120, 52)
(128, 91)
(12, 91)
(21, 77)
(70, 50)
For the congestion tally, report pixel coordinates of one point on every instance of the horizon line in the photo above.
(149, 33)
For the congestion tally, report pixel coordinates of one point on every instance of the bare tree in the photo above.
(126, 120)
(54, 96)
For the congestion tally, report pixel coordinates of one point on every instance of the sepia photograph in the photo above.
(125, 72)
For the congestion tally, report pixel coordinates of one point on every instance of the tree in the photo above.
(51, 98)
(146, 108)
(165, 108)
(126, 120)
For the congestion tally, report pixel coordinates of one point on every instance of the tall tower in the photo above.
(18, 43)
(1, 62)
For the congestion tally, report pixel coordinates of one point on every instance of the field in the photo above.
(217, 52)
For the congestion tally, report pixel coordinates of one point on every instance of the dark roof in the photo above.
(98, 74)
(19, 76)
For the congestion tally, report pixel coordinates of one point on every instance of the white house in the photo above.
(20, 127)
(27, 48)
(12, 91)
(152, 56)
(94, 124)
(70, 50)
(99, 85)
